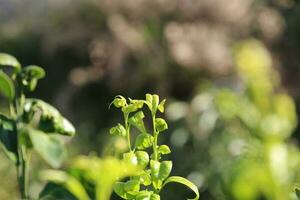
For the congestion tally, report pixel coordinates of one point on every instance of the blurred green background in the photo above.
(225, 97)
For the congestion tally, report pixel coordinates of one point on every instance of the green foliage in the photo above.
(155, 175)
(101, 173)
(29, 123)
(247, 130)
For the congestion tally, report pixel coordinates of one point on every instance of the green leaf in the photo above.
(9, 60)
(152, 102)
(133, 106)
(144, 141)
(144, 178)
(137, 121)
(137, 103)
(119, 102)
(161, 106)
(139, 158)
(119, 189)
(30, 76)
(164, 149)
(118, 130)
(7, 88)
(67, 181)
(34, 71)
(143, 195)
(181, 180)
(160, 171)
(46, 118)
(155, 197)
(127, 190)
(147, 195)
(142, 158)
(54, 191)
(132, 186)
(8, 138)
(160, 124)
(49, 147)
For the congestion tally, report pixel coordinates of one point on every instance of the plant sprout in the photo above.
(156, 171)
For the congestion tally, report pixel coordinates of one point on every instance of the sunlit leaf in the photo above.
(118, 130)
(9, 60)
(144, 141)
(7, 88)
(160, 124)
(161, 106)
(164, 149)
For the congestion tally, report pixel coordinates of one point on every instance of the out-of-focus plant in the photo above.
(245, 127)
(267, 167)
(88, 178)
(155, 174)
(28, 124)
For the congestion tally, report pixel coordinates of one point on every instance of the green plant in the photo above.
(89, 177)
(155, 172)
(28, 124)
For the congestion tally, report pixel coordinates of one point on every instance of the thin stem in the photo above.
(155, 134)
(127, 127)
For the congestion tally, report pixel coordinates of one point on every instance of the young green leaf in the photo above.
(119, 101)
(7, 88)
(49, 147)
(137, 121)
(161, 106)
(132, 186)
(30, 75)
(164, 149)
(181, 180)
(9, 60)
(118, 130)
(160, 171)
(143, 195)
(34, 71)
(155, 197)
(152, 102)
(142, 158)
(144, 141)
(144, 178)
(139, 158)
(160, 124)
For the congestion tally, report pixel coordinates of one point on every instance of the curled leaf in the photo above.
(119, 101)
(160, 124)
(30, 75)
(181, 180)
(9, 60)
(164, 149)
(137, 121)
(118, 130)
